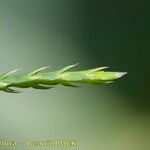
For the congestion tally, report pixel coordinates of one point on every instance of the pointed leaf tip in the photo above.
(39, 70)
(120, 74)
(67, 68)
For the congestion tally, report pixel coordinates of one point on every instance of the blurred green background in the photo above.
(35, 33)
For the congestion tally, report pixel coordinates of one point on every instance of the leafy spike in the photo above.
(44, 80)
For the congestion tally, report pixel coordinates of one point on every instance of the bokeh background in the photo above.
(35, 33)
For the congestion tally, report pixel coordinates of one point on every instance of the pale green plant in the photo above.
(46, 80)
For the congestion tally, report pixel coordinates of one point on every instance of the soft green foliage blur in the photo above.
(36, 33)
